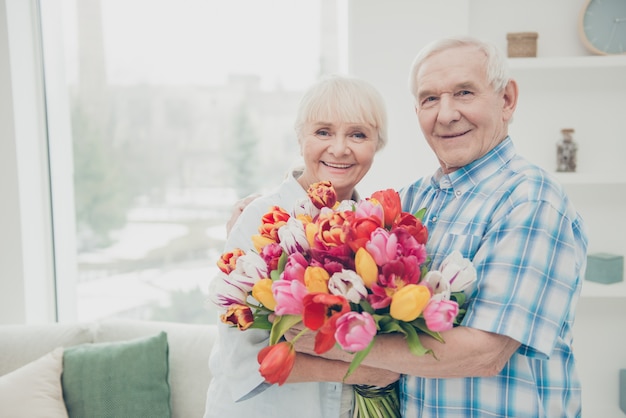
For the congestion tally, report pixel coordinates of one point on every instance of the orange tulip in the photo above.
(276, 362)
(238, 315)
(272, 221)
(228, 261)
(322, 194)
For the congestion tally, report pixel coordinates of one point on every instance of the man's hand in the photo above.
(238, 207)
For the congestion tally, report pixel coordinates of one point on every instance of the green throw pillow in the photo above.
(117, 379)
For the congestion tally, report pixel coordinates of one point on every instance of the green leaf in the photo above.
(367, 307)
(358, 358)
(281, 324)
(282, 261)
(413, 340)
(420, 214)
(420, 324)
(261, 322)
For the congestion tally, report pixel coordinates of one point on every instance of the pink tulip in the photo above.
(288, 296)
(355, 331)
(440, 314)
(295, 267)
(382, 246)
(370, 209)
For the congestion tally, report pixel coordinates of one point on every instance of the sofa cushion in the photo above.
(21, 344)
(34, 390)
(189, 351)
(118, 379)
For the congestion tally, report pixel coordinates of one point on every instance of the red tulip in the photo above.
(276, 362)
(413, 225)
(319, 307)
(392, 206)
(320, 313)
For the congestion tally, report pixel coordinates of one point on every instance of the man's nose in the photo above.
(448, 111)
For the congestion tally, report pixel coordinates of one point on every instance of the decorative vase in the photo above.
(566, 150)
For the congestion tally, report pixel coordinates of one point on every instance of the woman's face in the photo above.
(337, 151)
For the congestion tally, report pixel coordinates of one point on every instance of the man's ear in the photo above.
(510, 95)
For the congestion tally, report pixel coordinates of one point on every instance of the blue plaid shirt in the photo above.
(528, 245)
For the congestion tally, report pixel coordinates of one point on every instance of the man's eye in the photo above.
(428, 101)
(464, 93)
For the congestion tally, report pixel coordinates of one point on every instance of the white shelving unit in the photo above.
(587, 94)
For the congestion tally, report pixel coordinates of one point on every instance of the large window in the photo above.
(177, 109)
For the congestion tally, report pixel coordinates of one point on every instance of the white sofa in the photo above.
(189, 347)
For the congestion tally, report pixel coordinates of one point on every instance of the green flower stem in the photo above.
(376, 402)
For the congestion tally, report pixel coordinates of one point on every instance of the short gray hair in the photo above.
(345, 97)
(497, 66)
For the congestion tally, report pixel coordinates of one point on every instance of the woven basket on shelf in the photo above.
(522, 44)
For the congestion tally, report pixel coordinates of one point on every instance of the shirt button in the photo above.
(458, 193)
(433, 219)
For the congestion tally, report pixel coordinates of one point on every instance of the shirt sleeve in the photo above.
(528, 266)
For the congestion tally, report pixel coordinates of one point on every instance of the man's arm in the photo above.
(466, 352)
(317, 369)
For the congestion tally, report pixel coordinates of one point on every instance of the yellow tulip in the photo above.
(366, 267)
(316, 279)
(409, 302)
(262, 291)
(260, 241)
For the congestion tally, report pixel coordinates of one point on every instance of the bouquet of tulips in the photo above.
(348, 271)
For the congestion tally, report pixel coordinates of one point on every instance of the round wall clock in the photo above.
(602, 26)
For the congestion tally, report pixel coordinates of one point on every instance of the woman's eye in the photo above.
(359, 135)
(322, 132)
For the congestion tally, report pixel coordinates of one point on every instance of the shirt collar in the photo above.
(472, 174)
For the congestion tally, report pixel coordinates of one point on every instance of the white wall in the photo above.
(385, 36)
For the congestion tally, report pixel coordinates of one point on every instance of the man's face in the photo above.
(460, 114)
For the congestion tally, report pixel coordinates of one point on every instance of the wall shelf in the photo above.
(588, 179)
(600, 290)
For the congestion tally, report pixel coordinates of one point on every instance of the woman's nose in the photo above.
(339, 145)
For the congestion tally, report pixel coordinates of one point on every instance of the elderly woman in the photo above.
(340, 125)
